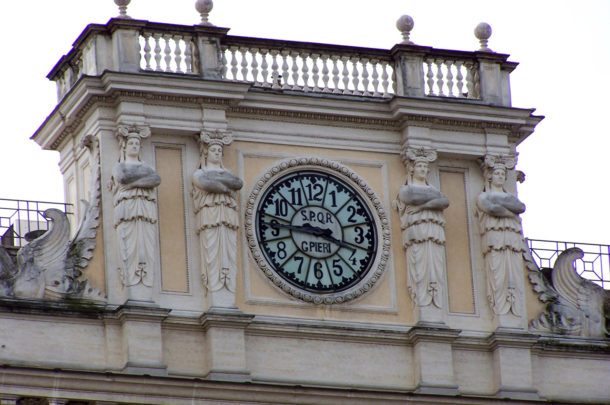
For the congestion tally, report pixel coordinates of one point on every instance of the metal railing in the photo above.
(594, 265)
(22, 220)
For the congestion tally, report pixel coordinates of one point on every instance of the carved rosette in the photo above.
(291, 165)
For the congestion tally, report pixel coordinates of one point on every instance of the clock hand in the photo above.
(307, 228)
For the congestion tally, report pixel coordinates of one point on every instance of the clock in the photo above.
(317, 230)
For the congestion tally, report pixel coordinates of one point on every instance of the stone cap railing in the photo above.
(208, 52)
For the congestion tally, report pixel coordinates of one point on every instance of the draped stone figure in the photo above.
(501, 236)
(420, 207)
(214, 191)
(135, 209)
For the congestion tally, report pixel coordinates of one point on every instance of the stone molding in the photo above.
(112, 87)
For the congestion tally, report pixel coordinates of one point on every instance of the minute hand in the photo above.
(314, 230)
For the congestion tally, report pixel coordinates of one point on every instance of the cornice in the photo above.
(244, 101)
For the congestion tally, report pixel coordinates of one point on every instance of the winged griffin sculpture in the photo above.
(51, 265)
(574, 306)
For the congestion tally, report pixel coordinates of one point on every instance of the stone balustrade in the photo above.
(137, 46)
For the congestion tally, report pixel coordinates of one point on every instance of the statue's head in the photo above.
(498, 177)
(420, 171)
(214, 154)
(418, 163)
(130, 141)
(211, 143)
(495, 169)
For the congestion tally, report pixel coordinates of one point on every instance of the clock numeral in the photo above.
(360, 237)
(295, 195)
(315, 192)
(337, 269)
(281, 250)
(333, 195)
(281, 207)
(352, 211)
(317, 271)
(300, 260)
(352, 258)
(275, 230)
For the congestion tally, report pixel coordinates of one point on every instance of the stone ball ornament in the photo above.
(122, 4)
(405, 24)
(204, 7)
(483, 32)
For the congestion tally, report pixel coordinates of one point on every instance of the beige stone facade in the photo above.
(263, 344)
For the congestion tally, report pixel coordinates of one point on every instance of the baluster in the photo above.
(449, 63)
(233, 63)
(355, 75)
(325, 72)
(477, 82)
(345, 74)
(285, 84)
(188, 53)
(459, 78)
(178, 54)
(147, 54)
(430, 76)
(315, 70)
(384, 79)
(335, 74)
(264, 67)
(469, 80)
(168, 53)
(365, 77)
(157, 51)
(254, 65)
(223, 61)
(295, 70)
(244, 63)
(305, 71)
(375, 77)
(439, 77)
(275, 84)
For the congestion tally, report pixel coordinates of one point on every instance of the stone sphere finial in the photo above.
(483, 32)
(122, 8)
(204, 7)
(405, 25)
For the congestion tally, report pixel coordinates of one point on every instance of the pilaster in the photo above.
(512, 364)
(433, 359)
(142, 337)
(409, 68)
(226, 344)
(210, 52)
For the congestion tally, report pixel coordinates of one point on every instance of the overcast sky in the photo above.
(563, 50)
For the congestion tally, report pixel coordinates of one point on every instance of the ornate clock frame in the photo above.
(276, 174)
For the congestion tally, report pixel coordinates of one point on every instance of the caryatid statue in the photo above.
(420, 207)
(214, 191)
(135, 209)
(501, 236)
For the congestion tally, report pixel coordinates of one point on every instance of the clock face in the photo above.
(316, 231)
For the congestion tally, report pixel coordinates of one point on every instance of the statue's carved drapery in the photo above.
(135, 210)
(501, 237)
(420, 207)
(214, 189)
